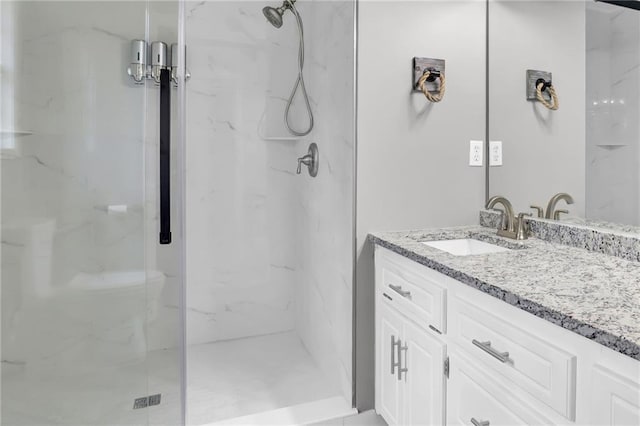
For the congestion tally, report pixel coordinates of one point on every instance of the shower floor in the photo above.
(246, 376)
(226, 380)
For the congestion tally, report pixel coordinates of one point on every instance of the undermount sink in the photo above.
(465, 247)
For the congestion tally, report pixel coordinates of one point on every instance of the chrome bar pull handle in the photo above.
(486, 346)
(402, 369)
(398, 289)
(394, 364)
(475, 422)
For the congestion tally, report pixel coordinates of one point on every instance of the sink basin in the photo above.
(465, 247)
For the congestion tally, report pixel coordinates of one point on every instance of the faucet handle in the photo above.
(522, 232)
(306, 160)
(539, 210)
(556, 214)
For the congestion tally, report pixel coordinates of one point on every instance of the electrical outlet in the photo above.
(475, 153)
(495, 153)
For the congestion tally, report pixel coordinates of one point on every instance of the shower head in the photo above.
(274, 15)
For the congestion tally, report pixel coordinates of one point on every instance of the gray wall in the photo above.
(543, 151)
(413, 156)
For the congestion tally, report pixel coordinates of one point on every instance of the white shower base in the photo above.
(268, 379)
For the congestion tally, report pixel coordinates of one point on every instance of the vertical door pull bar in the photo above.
(165, 156)
(402, 369)
(394, 363)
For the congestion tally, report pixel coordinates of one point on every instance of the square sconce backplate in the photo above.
(532, 77)
(420, 65)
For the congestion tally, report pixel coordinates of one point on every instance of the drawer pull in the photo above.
(435, 329)
(394, 364)
(387, 296)
(475, 422)
(486, 346)
(398, 289)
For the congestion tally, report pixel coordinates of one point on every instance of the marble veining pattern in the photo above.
(592, 294)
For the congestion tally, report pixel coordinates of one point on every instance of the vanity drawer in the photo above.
(409, 288)
(475, 395)
(536, 366)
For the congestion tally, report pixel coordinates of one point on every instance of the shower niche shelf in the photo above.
(14, 133)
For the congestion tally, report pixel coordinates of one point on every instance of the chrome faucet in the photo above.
(552, 213)
(507, 214)
(511, 227)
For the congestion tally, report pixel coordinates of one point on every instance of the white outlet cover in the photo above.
(476, 153)
(495, 153)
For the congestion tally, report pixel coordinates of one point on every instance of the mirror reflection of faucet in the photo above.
(551, 207)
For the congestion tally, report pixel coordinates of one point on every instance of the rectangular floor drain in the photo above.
(154, 399)
(147, 401)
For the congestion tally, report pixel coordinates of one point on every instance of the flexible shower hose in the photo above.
(299, 81)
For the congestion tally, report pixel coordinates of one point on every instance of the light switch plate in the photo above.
(495, 153)
(475, 153)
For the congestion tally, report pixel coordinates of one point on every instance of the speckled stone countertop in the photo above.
(592, 294)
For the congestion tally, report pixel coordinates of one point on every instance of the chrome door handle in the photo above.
(402, 369)
(398, 289)
(394, 364)
(475, 422)
(486, 346)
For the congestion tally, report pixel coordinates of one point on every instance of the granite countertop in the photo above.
(592, 294)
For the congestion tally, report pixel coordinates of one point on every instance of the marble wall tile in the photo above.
(613, 107)
(241, 267)
(269, 250)
(324, 298)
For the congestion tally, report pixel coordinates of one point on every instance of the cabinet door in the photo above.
(615, 399)
(476, 399)
(388, 398)
(424, 380)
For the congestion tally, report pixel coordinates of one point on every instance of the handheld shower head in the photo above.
(274, 15)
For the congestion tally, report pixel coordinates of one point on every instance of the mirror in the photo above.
(590, 146)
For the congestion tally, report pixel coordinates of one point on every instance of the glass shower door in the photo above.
(87, 337)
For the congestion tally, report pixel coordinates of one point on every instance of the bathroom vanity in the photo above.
(540, 333)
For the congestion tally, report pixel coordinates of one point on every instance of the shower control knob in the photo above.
(311, 160)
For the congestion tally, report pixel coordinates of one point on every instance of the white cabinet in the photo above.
(424, 380)
(506, 366)
(475, 398)
(615, 398)
(389, 333)
(410, 353)
(409, 370)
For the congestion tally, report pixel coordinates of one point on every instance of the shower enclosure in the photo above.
(246, 316)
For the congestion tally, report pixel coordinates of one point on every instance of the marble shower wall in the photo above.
(268, 250)
(242, 199)
(324, 294)
(613, 108)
